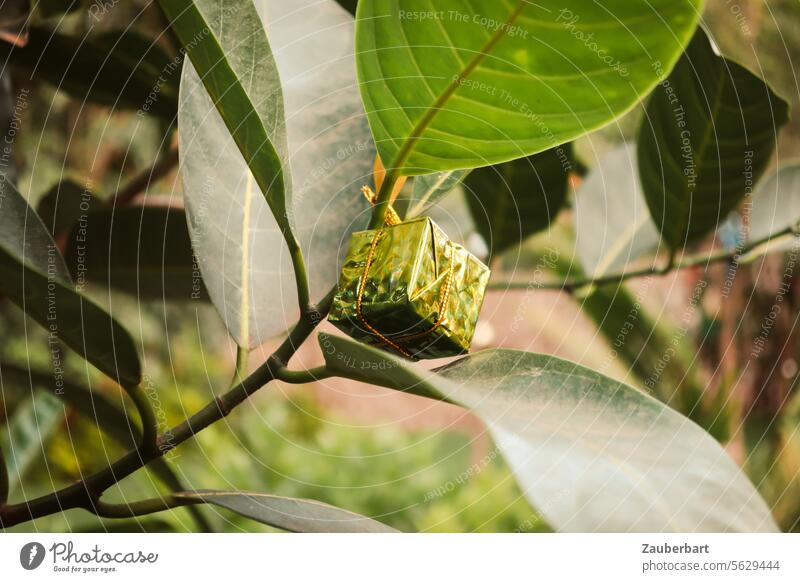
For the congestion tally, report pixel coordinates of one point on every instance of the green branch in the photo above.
(302, 376)
(701, 260)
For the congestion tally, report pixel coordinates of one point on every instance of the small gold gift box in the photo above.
(408, 289)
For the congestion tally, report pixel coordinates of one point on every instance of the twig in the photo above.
(149, 176)
(692, 261)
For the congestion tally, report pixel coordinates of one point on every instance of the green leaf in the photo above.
(33, 275)
(428, 189)
(590, 453)
(233, 144)
(460, 84)
(612, 224)
(121, 69)
(238, 243)
(28, 428)
(145, 251)
(707, 135)
(511, 201)
(296, 515)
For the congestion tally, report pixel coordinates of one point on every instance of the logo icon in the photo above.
(31, 555)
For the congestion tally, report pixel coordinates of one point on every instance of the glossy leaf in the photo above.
(28, 428)
(707, 135)
(511, 201)
(483, 82)
(296, 515)
(145, 251)
(33, 275)
(590, 453)
(331, 156)
(118, 69)
(612, 224)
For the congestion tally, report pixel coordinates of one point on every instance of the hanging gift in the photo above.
(409, 289)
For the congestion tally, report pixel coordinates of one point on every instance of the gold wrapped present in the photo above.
(409, 289)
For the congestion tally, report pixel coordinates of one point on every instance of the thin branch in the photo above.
(149, 439)
(143, 507)
(142, 181)
(302, 376)
(86, 492)
(570, 285)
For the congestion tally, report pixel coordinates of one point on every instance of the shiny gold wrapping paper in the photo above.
(414, 274)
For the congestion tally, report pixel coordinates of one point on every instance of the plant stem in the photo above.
(149, 176)
(570, 285)
(147, 416)
(86, 492)
(300, 273)
(302, 376)
(240, 371)
(143, 507)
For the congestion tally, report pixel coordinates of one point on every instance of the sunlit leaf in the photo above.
(238, 242)
(297, 515)
(457, 84)
(590, 453)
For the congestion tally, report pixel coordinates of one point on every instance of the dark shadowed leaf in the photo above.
(297, 515)
(513, 200)
(119, 69)
(64, 205)
(707, 135)
(33, 275)
(590, 453)
(485, 82)
(143, 250)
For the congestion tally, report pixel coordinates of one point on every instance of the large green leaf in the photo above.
(296, 515)
(612, 224)
(233, 148)
(33, 275)
(239, 245)
(121, 69)
(28, 428)
(707, 135)
(590, 453)
(466, 83)
(143, 250)
(511, 201)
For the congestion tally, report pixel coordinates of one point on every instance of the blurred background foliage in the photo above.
(441, 476)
